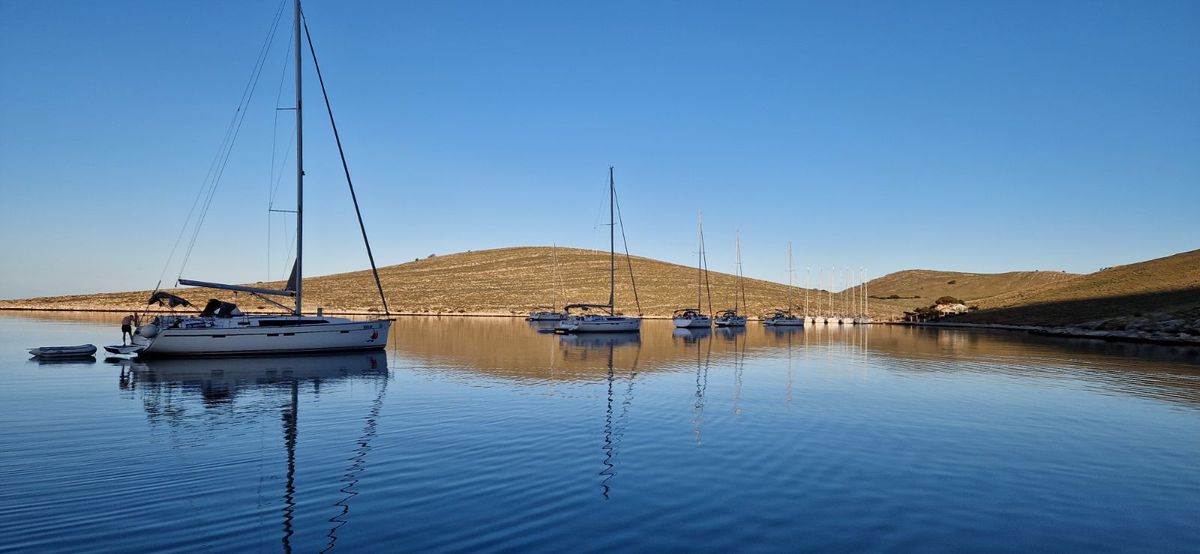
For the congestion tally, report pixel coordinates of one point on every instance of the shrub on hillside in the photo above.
(948, 300)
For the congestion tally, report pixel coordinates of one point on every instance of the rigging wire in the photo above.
(195, 201)
(345, 167)
(226, 151)
(272, 181)
(628, 258)
(704, 262)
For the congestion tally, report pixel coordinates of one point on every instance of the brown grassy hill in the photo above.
(1162, 288)
(920, 287)
(502, 281)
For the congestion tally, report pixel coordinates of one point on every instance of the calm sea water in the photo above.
(482, 434)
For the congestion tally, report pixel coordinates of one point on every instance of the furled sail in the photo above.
(291, 282)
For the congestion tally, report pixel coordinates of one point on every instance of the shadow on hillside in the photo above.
(1183, 304)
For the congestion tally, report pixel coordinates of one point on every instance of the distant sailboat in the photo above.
(609, 321)
(222, 329)
(731, 318)
(847, 309)
(819, 319)
(785, 318)
(549, 313)
(687, 318)
(865, 316)
(831, 317)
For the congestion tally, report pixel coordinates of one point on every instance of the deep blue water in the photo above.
(482, 434)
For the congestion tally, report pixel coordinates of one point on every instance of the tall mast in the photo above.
(699, 260)
(299, 160)
(789, 276)
(557, 279)
(704, 262)
(612, 244)
(741, 284)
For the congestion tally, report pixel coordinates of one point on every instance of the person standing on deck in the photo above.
(127, 324)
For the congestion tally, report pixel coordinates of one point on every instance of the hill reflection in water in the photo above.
(512, 349)
(485, 434)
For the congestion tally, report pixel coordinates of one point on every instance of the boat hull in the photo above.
(736, 321)
(692, 322)
(603, 324)
(786, 322)
(254, 340)
(545, 316)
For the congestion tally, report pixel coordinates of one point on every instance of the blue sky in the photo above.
(965, 136)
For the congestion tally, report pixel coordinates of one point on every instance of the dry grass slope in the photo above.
(975, 288)
(1169, 287)
(500, 282)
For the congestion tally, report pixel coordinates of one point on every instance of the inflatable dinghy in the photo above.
(63, 352)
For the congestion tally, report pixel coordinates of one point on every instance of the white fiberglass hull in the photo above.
(546, 316)
(736, 321)
(692, 322)
(599, 324)
(227, 338)
(786, 322)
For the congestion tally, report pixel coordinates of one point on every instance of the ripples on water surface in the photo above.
(481, 434)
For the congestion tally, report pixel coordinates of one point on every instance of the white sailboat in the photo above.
(865, 317)
(835, 318)
(731, 318)
(819, 319)
(548, 313)
(221, 329)
(608, 321)
(785, 318)
(846, 318)
(688, 318)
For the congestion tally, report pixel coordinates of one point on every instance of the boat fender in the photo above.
(149, 331)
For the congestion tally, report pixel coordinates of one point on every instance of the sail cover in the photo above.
(167, 299)
(217, 308)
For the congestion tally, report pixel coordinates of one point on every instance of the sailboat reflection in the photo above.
(731, 334)
(703, 361)
(739, 362)
(219, 380)
(597, 341)
(581, 346)
(692, 335)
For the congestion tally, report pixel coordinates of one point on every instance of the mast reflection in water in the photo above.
(614, 423)
(165, 384)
